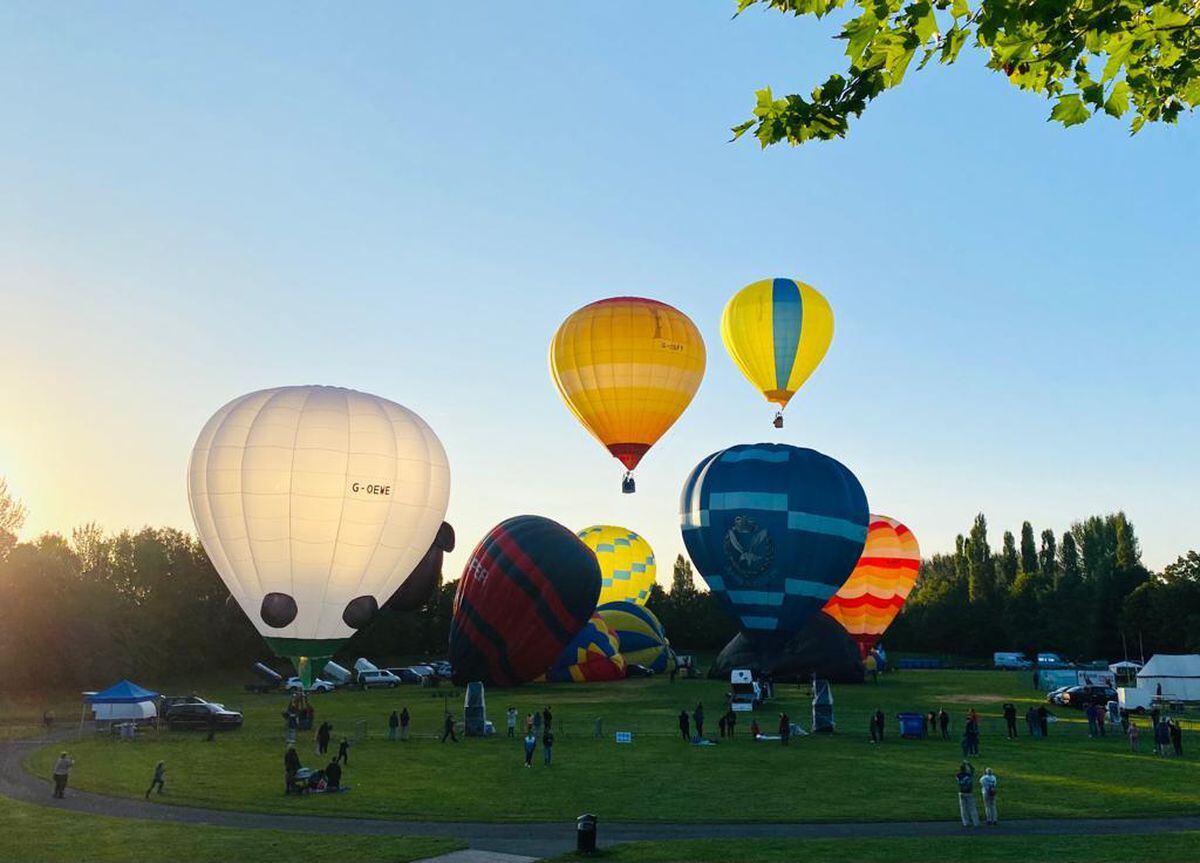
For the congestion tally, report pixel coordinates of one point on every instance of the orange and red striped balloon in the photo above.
(872, 596)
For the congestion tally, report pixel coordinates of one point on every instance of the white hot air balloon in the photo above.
(314, 504)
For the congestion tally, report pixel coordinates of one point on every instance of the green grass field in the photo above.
(37, 834)
(658, 777)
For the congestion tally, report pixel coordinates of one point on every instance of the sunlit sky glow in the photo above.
(203, 200)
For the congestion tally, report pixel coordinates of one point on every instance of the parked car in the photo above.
(441, 668)
(408, 675)
(318, 685)
(1080, 697)
(636, 670)
(1054, 696)
(376, 678)
(1011, 661)
(197, 716)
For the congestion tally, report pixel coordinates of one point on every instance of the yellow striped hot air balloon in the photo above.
(872, 596)
(777, 332)
(627, 368)
(627, 568)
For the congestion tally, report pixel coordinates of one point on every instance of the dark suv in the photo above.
(197, 716)
(1080, 697)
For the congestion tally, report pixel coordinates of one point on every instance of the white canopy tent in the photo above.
(1177, 674)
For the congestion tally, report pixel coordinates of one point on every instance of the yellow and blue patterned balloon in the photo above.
(777, 332)
(641, 636)
(627, 568)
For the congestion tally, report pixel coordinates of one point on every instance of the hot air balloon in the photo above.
(314, 504)
(641, 637)
(426, 576)
(871, 598)
(627, 567)
(594, 655)
(777, 331)
(774, 530)
(527, 590)
(627, 368)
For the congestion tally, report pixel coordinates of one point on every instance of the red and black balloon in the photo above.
(527, 590)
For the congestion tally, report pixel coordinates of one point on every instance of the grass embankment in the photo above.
(659, 777)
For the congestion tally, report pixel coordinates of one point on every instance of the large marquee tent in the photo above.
(1177, 674)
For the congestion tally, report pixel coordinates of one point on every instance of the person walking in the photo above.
(968, 810)
(405, 718)
(547, 717)
(698, 719)
(987, 784)
(448, 728)
(547, 745)
(684, 725)
(530, 746)
(785, 728)
(343, 754)
(721, 725)
(1010, 720)
(511, 721)
(1175, 733)
(944, 723)
(323, 733)
(160, 770)
(393, 725)
(1031, 721)
(1090, 713)
(1133, 737)
(62, 769)
(730, 722)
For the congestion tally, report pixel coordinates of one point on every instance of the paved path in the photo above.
(533, 839)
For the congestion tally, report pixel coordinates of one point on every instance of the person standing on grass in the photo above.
(1090, 713)
(62, 769)
(1101, 717)
(698, 719)
(537, 724)
(511, 721)
(529, 723)
(343, 754)
(547, 717)
(879, 720)
(785, 728)
(944, 723)
(730, 722)
(547, 745)
(1010, 720)
(1043, 718)
(1175, 734)
(1133, 737)
(323, 732)
(1031, 721)
(987, 784)
(721, 725)
(393, 724)
(291, 766)
(448, 728)
(160, 770)
(530, 746)
(967, 808)
(405, 718)
(684, 725)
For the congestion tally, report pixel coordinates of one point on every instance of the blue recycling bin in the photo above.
(911, 724)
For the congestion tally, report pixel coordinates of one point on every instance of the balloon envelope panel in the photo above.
(594, 655)
(308, 497)
(627, 568)
(774, 530)
(527, 590)
(777, 332)
(641, 636)
(627, 368)
(871, 598)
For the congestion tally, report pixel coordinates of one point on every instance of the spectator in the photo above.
(1090, 713)
(393, 724)
(971, 734)
(877, 726)
(967, 808)
(1176, 736)
(1101, 717)
(684, 725)
(448, 728)
(1133, 737)
(698, 719)
(511, 721)
(730, 722)
(721, 724)
(160, 770)
(1010, 720)
(530, 746)
(537, 724)
(333, 776)
(987, 783)
(405, 718)
(1043, 720)
(529, 723)
(291, 766)
(1031, 721)
(944, 723)
(323, 733)
(785, 728)
(1162, 737)
(343, 754)
(547, 717)
(62, 769)
(547, 745)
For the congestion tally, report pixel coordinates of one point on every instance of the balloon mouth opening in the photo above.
(779, 397)
(628, 454)
(308, 655)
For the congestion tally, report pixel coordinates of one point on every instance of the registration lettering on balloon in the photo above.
(374, 489)
(749, 549)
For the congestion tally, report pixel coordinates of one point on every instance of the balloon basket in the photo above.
(628, 486)
(778, 421)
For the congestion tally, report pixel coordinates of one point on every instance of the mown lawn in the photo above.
(38, 834)
(983, 848)
(659, 777)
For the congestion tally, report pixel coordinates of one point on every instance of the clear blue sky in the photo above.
(202, 200)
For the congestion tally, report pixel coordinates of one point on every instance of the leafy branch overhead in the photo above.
(1119, 57)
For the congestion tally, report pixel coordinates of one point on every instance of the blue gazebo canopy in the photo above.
(125, 692)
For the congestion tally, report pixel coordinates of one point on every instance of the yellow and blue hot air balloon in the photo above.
(627, 568)
(594, 655)
(777, 332)
(642, 638)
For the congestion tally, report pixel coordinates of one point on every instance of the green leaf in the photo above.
(1118, 52)
(741, 129)
(1118, 100)
(953, 42)
(1191, 92)
(1136, 125)
(858, 34)
(960, 9)
(1070, 110)
(924, 24)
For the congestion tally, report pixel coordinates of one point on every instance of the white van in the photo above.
(378, 677)
(745, 693)
(1011, 661)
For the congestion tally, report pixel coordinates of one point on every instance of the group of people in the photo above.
(968, 808)
(537, 725)
(296, 781)
(398, 722)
